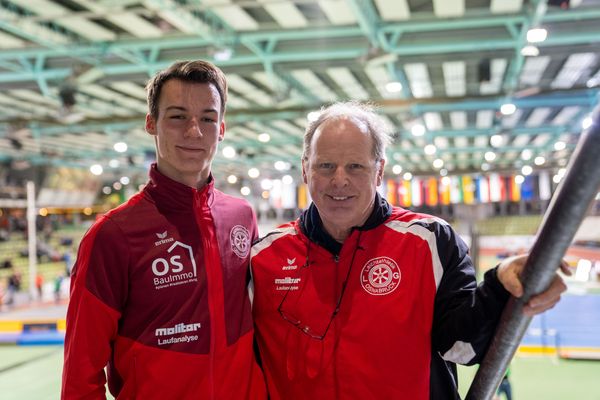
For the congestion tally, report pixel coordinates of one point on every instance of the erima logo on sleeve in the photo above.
(162, 238)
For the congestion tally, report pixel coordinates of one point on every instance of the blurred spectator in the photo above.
(39, 284)
(13, 284)
(57, 287)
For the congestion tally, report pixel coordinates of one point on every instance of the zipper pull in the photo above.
(336, 258)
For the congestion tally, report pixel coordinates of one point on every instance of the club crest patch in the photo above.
(380, 276)
(240, 241)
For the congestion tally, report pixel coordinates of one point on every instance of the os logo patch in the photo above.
(380, 276)
(240, 241)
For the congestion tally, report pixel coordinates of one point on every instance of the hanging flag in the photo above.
(468, 189)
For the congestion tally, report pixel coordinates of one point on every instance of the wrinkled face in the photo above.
(342, 174)
(186, 132)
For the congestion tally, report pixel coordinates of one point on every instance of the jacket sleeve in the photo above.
(98, 293)
(465, 314)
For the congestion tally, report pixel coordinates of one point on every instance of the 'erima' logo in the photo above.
(290, 264)
(163, 239)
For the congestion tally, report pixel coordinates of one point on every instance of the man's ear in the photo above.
(380, 171)
(304, 166)
(150, 125)
(222, 130)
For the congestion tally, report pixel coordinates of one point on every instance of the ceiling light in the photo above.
(96, 169)
(228, 152)
(253, 173)
(536, 35)
(117, 186)
(120, 147)
(232, 179)
(430, 149)
(489, 156)
(560, 145)
(393, 87)
(539, 160)
(443, 172)
(245, 190)
(287, 180)
(556, 178)
(519, 179)
(223, 54)
(264, 137)
(438, 163)
(586, 123)
(397, 169)
(486, 166)
(496, 140)
(282, 165)
(446, 181)
(114, 163)
(106, 190)
(526, 170)
(526, 154)
(417, 130)
(407, 176)
(508, 109)
(124, 180)
(530, 51)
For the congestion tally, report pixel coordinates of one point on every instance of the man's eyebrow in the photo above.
(181, 108)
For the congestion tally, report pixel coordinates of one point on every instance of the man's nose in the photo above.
(193, 128)
(340, 177)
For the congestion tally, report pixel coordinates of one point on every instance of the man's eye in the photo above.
(355, 166)
(326, 166)
(208, 119)
(177, 117)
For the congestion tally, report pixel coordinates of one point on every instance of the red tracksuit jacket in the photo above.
(411, 308)
(159, 296)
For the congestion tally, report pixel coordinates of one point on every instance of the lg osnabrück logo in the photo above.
(177, 268)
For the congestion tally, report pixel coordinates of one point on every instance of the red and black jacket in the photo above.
(159, 296)
(411, 308)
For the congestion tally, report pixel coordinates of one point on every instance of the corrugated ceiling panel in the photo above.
(533, 69)
(344, 78)
(449, 8)
(433, 121)
(505, 6)
(418, 77)
(572, 70)
(565, 115)
(485, 119)
(380, 76)
(393, 10)
(234, 15)
(454, 78)
(497, 70)
(285, 13)
(338, 12)
(314, 84)
(538, 116)
(458, 119)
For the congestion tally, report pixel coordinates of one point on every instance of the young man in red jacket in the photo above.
(361, 300)
(159, 292)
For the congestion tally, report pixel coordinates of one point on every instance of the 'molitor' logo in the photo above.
(240, 241)
(177, 268)
(380, 276)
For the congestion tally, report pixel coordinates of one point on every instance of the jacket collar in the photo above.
(312, 225)
(175, 195)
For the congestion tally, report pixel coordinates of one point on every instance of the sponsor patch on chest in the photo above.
(380, 276)
(177, 267)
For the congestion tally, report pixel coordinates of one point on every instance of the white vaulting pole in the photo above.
(31, 238)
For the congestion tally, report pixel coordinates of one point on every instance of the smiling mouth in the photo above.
(340, 198)
(189, 148)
